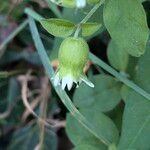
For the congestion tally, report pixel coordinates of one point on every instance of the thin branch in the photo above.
(87, 17)
(13, 34)
(45, 93)
(33, 104)
(24, 90)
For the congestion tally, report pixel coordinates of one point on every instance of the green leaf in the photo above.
(131, 69)
(77, 16)
(143, 70)
(93, 1)
(90, 28)
(58, 27)
(27, 138)
(126, 22)
(86, 147)
(118, 58)
(136, 124)
(112, 147)
(103, 97)
(101, 124)
(125, 90)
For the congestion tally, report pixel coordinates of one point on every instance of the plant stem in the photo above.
(93, 10)
(120, 77)
(77, 31)
(54, 9)
(87, 17)
(33, 14)
(13, 34)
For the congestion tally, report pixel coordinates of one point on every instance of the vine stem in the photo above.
(120, 77)
(13, 34)
(92, 11)
(87, 17)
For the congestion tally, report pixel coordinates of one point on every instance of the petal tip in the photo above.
(88, 82)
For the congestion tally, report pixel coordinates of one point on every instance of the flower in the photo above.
(80, 3)
(73, 56)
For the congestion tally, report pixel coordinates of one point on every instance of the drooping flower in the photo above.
(73, 56)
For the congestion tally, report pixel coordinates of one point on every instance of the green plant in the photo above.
(115, 113)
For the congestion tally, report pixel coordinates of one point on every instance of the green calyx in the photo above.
(73, 55)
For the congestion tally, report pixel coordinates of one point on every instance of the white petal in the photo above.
(80, 3)
(64, 82)
(78, 83)
(77, 86)
(70, 82)
(88, 82)
(56, 80)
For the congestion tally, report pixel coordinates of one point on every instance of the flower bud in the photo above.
(73, 56)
